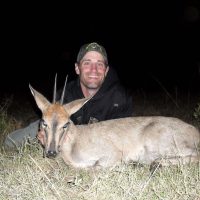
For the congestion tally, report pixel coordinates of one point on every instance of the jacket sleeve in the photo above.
(122, 105)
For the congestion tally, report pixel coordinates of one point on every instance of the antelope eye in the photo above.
(66, 125)
(43, 123)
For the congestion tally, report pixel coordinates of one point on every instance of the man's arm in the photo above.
(122, 105)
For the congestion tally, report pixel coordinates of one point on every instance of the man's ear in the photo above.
(107, 69)
(77, 69)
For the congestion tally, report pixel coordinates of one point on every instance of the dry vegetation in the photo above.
(25, 174)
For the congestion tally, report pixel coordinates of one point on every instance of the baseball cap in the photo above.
(92, 47)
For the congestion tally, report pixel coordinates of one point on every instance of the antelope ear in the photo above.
(41, 101)
(74, 106)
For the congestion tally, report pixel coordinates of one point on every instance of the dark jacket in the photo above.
(110, 102)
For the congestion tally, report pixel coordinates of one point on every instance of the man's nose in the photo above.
(93, 66)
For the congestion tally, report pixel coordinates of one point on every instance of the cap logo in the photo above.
(94, 46)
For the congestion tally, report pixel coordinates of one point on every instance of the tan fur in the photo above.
(145, 140)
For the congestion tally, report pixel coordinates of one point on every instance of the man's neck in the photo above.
(88, 92)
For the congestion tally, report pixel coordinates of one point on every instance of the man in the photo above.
(95, 77)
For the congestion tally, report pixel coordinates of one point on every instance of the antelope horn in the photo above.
(63, 92)
(54, 92)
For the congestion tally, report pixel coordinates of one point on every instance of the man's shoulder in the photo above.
(72, 84)
(117, 93)
(120, 89)
(69, 86)
(71, 91)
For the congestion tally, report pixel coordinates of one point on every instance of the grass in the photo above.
(25, 174)
(7, 123)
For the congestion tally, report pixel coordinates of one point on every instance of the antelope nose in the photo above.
(51, 154)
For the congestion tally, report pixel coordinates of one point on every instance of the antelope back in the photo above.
(55, 120)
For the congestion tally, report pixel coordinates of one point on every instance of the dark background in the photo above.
(152, 46)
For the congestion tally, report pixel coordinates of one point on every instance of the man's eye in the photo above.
(100, 65)
(86, 63)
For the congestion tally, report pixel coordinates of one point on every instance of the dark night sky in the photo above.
(156, 42)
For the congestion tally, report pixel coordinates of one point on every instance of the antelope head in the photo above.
(55, 120)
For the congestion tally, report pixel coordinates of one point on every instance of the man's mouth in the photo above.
(95, 77)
